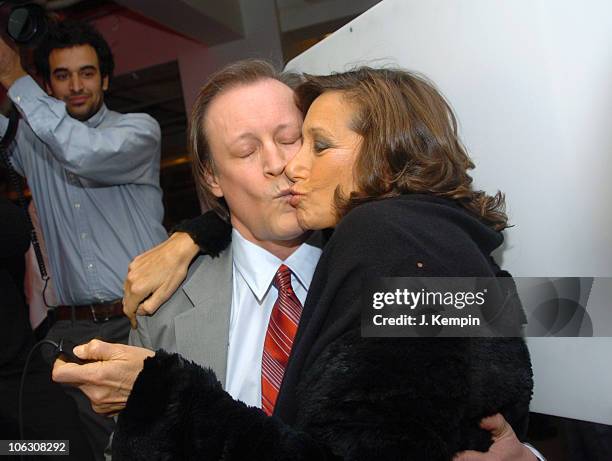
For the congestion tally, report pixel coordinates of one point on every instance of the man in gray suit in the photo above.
(245, 129)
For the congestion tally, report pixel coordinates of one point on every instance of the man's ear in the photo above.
(48, 89)
(105, 83)
(211, 180)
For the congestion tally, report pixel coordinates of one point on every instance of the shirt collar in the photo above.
(97, 118)
(258, 266)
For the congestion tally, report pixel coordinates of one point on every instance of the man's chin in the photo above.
(308, 223)
(81, 113)
(289, 229)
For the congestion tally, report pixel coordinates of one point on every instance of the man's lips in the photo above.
(283, 193)
(289, 195)
(77, 100)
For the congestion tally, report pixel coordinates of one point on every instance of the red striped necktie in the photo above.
(282, 327)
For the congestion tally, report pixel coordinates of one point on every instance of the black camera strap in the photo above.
(17, 185)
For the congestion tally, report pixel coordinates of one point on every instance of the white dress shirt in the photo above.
(253, 297)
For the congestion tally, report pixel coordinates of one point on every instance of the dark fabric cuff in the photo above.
(153, 421)
(209, 231)
(165, 379)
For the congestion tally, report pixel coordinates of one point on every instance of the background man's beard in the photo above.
(86, 116)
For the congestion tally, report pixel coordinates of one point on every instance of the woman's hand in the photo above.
(156, 274)
(506, 446)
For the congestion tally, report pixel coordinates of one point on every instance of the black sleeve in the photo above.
(209, 231)
(360, 405)
(178, 410)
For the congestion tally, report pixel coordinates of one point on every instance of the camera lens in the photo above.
(20, 26)
(26, 24)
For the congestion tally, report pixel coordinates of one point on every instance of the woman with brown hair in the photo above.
(381, 164)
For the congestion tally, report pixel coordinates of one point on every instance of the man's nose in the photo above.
(76, 85)
(275, 161)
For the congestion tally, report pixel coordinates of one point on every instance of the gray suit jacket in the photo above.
(195, 321)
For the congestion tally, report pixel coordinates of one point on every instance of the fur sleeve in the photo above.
(178, 410)
(209, 231)
(388, 398)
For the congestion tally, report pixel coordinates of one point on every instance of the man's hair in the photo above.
(68, 34)
(410, 141)
(240, 73)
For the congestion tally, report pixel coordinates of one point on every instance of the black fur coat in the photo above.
(344, 396)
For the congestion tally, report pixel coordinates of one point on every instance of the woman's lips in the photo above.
(295, 198)
(296, 195)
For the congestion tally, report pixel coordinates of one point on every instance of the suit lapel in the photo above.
(202, 333)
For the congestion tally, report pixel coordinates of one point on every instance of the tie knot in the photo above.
(282, 279)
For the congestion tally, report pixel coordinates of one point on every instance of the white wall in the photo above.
(531, 83)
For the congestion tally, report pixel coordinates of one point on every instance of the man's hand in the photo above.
(156, 274)
(10, 65)
(506, 446)
(107, 381)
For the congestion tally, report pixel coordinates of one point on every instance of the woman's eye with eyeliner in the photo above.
(320, 146)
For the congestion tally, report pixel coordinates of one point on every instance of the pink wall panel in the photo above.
(138, 43)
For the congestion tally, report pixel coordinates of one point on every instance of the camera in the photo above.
(23, 22)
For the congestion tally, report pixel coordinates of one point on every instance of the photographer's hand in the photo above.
(10, 65)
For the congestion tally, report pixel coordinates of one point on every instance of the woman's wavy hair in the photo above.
(410, 142)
